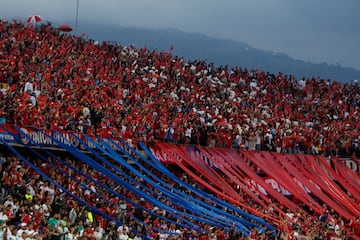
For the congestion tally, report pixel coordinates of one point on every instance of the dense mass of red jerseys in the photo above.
(62, 82)
(58, 81)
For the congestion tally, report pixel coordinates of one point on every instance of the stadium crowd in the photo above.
(57, 81)
(33, 208)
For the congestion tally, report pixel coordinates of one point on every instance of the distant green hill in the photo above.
(193, 46)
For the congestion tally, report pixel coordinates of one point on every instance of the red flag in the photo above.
(171, 47)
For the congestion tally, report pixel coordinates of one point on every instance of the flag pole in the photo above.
(77, 17)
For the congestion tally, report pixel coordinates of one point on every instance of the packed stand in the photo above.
(61, 82)
(33, 208)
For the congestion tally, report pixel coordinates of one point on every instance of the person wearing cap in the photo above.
(23, 230)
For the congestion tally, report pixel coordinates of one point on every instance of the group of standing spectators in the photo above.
(57, 81)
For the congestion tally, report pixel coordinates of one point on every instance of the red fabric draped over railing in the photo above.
(181, 157)
(237, 169)
(347, 174)
(327, 185)
(299, 174)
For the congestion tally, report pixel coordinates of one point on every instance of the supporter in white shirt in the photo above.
(9, 201)
(122, 205)
(188, 133)
(71, 235)
(163, 236)
(3, 90)
(121, 228)
(29, 87)
(11, 233)
(302, 83)
(99, 233)
(62, 228)
(86, 112)
(49, 189)
(123, 234)
(30, 186)
(72, 215)
(3, 216)
(30, 232)
(268, 136)
(46, 209)
(23, 230)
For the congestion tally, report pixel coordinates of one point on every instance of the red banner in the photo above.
(301, 176)
(163, 156)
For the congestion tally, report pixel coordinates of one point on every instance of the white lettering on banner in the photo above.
(51, 139)
(303, 186)
(7, 137)
(262, 190)
(63, 138)
(211, 161)
(40, 138)
(161, 156)
(196, 155)
(353, 165)
(74, 141)
(59, 138)
(276, 186)
(175, 156)
(255, 187)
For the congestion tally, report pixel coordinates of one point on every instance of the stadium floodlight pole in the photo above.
(77, 17)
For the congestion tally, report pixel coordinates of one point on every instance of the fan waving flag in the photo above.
(34, 19)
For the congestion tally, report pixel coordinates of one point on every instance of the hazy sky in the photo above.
(312, 30)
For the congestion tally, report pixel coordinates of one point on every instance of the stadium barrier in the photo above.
(45, 139)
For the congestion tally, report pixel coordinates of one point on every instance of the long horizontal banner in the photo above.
(41, 138)
(7, 137)
(46, 138)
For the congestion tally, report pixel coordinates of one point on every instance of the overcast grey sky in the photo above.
(312, 30)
